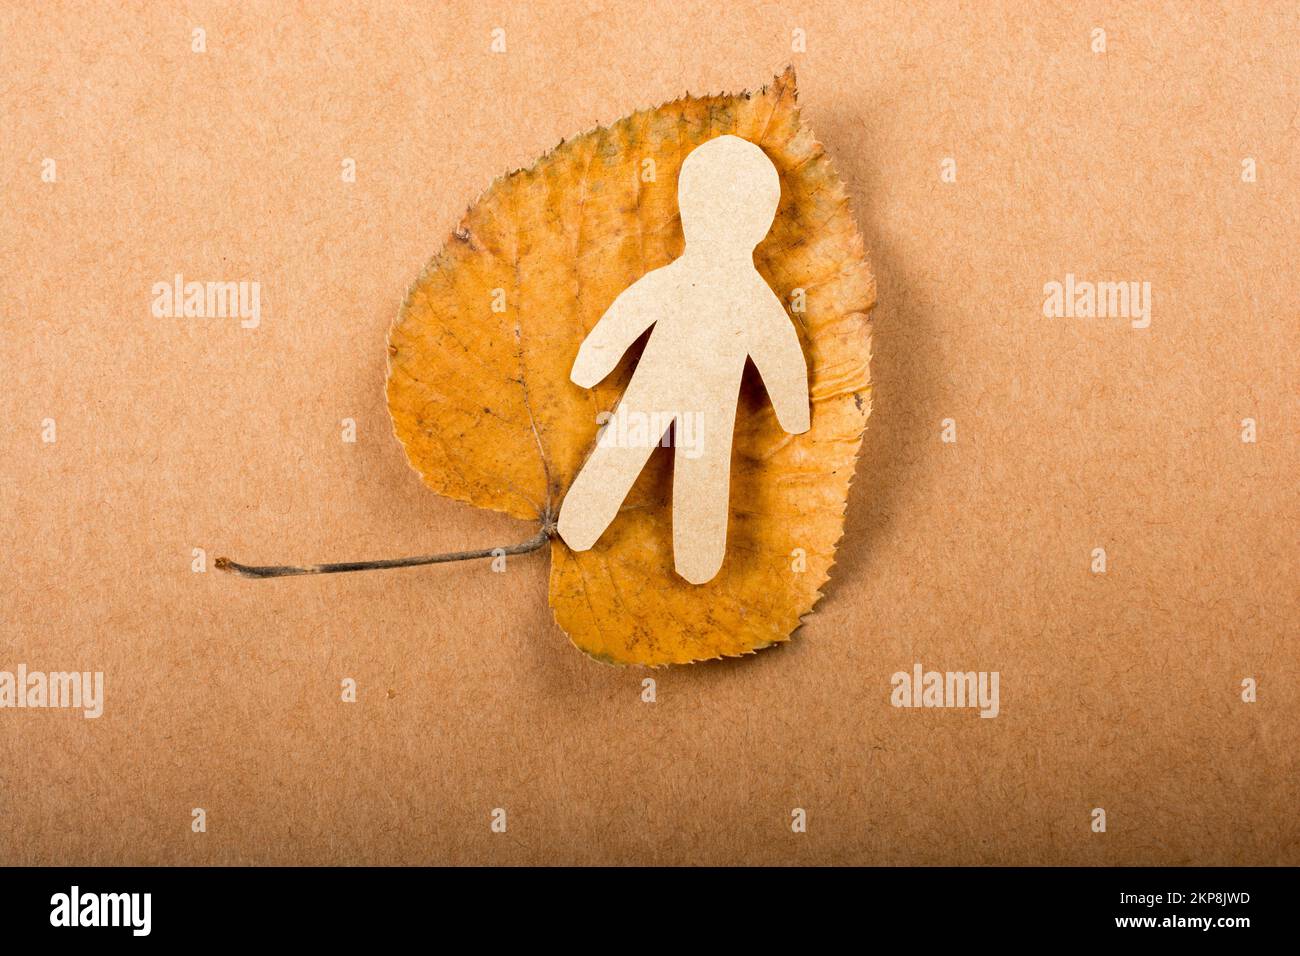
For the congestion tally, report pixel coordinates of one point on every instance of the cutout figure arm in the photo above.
(776, 353)
(623, 322)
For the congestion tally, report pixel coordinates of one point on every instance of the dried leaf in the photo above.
(480, 396)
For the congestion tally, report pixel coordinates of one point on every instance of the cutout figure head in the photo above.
(727, 193)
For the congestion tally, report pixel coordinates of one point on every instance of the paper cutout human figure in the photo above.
(711, 310)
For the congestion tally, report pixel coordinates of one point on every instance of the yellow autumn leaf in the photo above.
(480, 396)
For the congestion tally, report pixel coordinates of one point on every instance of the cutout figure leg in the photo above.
(598, 492)
(701, 502)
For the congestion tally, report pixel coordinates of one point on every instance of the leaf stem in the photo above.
(290, 570)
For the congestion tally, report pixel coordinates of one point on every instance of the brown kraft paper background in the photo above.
(1120, 690)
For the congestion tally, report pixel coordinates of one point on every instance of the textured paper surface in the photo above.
(1119, 690)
